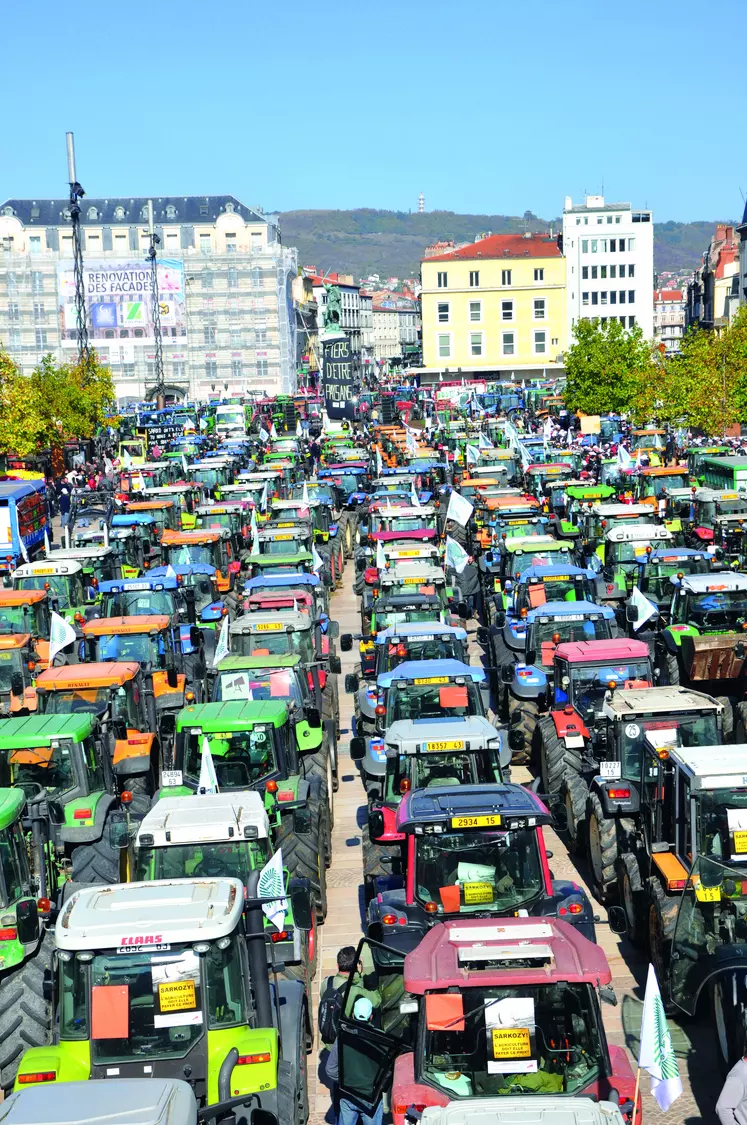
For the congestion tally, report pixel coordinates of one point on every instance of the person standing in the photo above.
(64, 504)
(348, 966)
(348, 1113)
(731, 1107)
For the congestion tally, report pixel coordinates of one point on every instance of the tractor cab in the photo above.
(596, 520)
(18, 663)
(541, 584)
(718, 519)
(625, 548)
(172, 657)
(282, 590)
(184, 496)
(657, 568)
(209, 547)
(287, 513)
(266, 566)
(99, 564)
(132, 542)
(27, 611)
(163, 513)
(585, 672)
(70, 593)
(418, 641)
(519, 553)
(160, 594)
(285, 538)
(392, 609)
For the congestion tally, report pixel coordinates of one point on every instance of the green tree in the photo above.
(605, 367)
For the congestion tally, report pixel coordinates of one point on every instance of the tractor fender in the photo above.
(294, 1014)
(529, 682)
(366, 706)
(133, 755)
(672, 639)
(390, 833)
(88, 834)
(569, 726)
(566, 893)
(613, 806)
(68, 1065)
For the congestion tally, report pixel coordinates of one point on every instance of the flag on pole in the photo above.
(305, 495)
(222, 647)
(456, 556)
(208, 782)
(318, 560)
(411, 443)
(254, 533)
(273, 433)
(126, 460)
(473, 454)
(379, 462)
(47, 548)
(24, 551)
(646, 609)
(139, 483)
(263, 499)
(380, 556)
(657, 1053)
(271, 884)
(639, 459)
(170, 572)
(484, 442)
(414, 499)
(263, 434)
(624, 460)
(299, 428)
(60, 635)
(185, 466)
(459, 509)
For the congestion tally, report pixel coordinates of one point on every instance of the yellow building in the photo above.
(496, 305)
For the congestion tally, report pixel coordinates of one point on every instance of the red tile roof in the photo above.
(504, 246)
(667, 295)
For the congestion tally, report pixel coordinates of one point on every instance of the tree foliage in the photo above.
(57, 403)
(606, 366)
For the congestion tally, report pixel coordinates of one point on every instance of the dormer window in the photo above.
(170, 211)
(92, 213)
(119, 212)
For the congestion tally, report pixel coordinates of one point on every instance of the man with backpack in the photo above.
(333, 992)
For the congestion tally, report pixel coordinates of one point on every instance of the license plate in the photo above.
(477, 892)
(171, 778)
(491, 821)
(708, 894)
(407, 554)
(289, 524)
(557, 578)
(610, 769)
(415, 581)
(455, 744)
(433, 680)
(281, 537)
(269, 626)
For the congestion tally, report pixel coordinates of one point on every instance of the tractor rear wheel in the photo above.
(378, 859)
(602, 845)
(728, 716)
(25, 1013)
(552, 764)
(632, 899)
(529, 711)
(662, 916)
(575, 793)
(97, 862)
(303, 855)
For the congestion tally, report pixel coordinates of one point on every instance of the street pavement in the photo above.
(693, 1040)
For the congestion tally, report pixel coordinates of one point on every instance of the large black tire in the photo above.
(551, 754)
(303, 855)
(575, 794)
(378, 859)
(662, 916)
(331, 702)
(632, 898)
(25, 1013)
(672, 669)
(319, 806)
(729, 1019)
(601, 836)
(740, 723)
(728, 716)
(97, 862)
(499, 654)
(305, 970)
(293, 1098)
(529, 711)
(319, 764)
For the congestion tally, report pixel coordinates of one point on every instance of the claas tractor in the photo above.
(164, 513)
(422, 753)
(223, 835)
(150, 976)
(254, 746)
(486, 1010)
(625, 549)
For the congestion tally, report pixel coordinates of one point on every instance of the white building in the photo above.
(609, 252)
(225, 282)
(669, 318)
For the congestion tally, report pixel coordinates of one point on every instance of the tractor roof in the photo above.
(298, 504)
(134, 518)
(632, 703)
(407, 512)
(89, 675)
(717, 494)
(602, 652)
(39, 730)
(271, 621)
(82, 553)
(201, 535)
(418, 572)
(712, 767)
(183, 569)
(10, 641)
(47, 566)
(148, 505)
(480, 952)
(272, 581)
(622, 510)
(415, 629)
(251, 663)
(675, 554)
(21, 597)
(639, 533)
(554, 573)
(210, 718)
(431, 671)
(215, 818)
(279, 560)
(140, 915)
(713, 583)
(411, 736)
(508, 806)
(511, 1110)
(412, 598)
(159, 1101)
(534, 545)
(108, 626)
(133, 585)
(571, 610)
(11, 803)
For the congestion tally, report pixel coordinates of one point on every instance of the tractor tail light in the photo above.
(389, 919)
(248, 1060)
(39, 1076)
(281, 935)
(82, 814)
(618, 794)
(575, 908)
(9, 934)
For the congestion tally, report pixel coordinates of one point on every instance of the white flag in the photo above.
(646, 609)
(170, 572)
(299, 429)
(271, 884)
(456, 556)
(273, 433)
(484, 441)
(126, 460)
(380, 556)
(263, 434)
(263, 499)
(459, 508)
(624, 460)
(414, 500)
(185, 466)
(547, 429)
(24, 552)
(411, 443)
(305, 495)
(254, 549)
(657, 1053)
(639, 459)
(47, 548)
(208, 782)
(473, 454)
(222, 648)
(60, 635)
(379, 462)
(108, 466)
(138, 483)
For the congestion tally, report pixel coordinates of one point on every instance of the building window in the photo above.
(507, 310)
(237, 369)
(631, 296)
(507, 343)
(178, 369)
(631, 322)
(444, 347)
(208, 332)
(35, 244)
(206, 279)
(233, 277)
(584, 273)
(13, 311)
(204, 243)
(11, 282)
(603, 271)
(475, 343)
(584, 298)
(41, 337)
(622, 271)
(621, 244)
(622, 320)
(230, 243)
(617, 218)
(474, 278)
(584, 246)
(613, 245)
(211, 369)
(37, 282)
(263, 368)
(554, 341)
(14, 337)
(631, 244)
(235, 333)
(595, 298)
(631, 270)
(128, 370)
(40, 312)
(613, 296)
(539, 275)
(443, 280)
(609, 219)
(540, 308)
(613, 271)
(594, 245)
(443, 312)
(120, 241)
(475, 311)
(540, 343)
(505, 277)
(622, 297)
(603, 297)
(594, 273)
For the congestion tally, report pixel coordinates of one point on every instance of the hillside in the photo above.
(391, 243)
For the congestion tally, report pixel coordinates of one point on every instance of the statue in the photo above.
(333, 309)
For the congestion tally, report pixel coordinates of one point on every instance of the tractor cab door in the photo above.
(367, 1048)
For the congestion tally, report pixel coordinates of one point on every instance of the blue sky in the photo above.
(487, 107)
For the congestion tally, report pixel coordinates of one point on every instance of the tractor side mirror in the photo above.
(300, 896)
(27, 921)
(375, 824)
(119, 729)
(335, 665)
(119, 833)
(616, 918)
(499, 618)
(631, 614)
(264, 1116)
(530, 656)
(462, 610)
(516, 739)
(352, 683)
(302, 821)
(195, 637)
(346, 642)
(16, 684)
(313, 718)
(483, 636)
(607, 992)
(507, 673)
(357, 749)
(333, 630)
(171, 677)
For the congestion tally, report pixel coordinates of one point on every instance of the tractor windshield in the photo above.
(420, 771)
(138, 603)
(722, 824)
(268, 571)
(519, 561)
(297, 643)
(589, 684)
(10, 662)
(569, 627)
(385, 618)
(65, 589)
(283, 545)
(402, 523)
(91, 701)
(216, 520)
(208, 477)
(185, 554)
(40, 767)
(657, 575)
(476, 871)
(716, 609)
(433, 701)
(142, 647)
(699, 728)
(241, 758)
(22, 619)
(233, 859)
(629, 553)
(425, 646)
(149, 1005)
(258, 685)
(558, 588)
(508, 1040)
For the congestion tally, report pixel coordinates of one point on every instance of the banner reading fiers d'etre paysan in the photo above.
(119, 299)
(337, 377)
